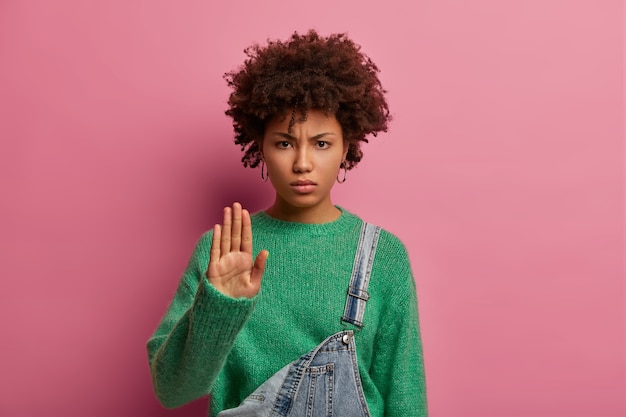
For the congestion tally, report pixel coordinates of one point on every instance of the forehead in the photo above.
(312, 120)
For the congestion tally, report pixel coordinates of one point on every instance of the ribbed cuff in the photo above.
(219, 314)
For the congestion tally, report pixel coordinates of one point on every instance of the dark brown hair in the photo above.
(306, 72)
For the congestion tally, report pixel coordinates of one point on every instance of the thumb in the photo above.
(259, 266)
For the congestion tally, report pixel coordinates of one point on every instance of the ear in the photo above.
(259, 143)
(346, 148)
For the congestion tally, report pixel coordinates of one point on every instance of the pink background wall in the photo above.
(503, 173)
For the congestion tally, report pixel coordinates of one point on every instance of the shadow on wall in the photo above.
(252, 193)
(216, 179)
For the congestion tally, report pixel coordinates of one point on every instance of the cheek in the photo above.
(332, 165)
(274, 164)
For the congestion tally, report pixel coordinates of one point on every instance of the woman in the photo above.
(328, 324)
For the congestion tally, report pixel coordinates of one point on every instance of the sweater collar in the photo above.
(342, 224)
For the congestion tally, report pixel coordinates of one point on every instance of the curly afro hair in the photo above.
(306, 72)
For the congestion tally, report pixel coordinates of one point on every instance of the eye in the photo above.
(322, 144)
(283, 144)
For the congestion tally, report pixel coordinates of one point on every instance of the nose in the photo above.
(302, 162)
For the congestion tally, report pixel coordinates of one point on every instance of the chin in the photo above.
(302, 202)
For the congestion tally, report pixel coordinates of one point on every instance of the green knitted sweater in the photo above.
(208, 343)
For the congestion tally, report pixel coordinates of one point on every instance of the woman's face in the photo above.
(303, 164)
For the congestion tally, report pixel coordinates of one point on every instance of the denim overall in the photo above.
(324, 381)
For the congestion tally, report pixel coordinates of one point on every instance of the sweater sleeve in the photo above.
(196, 334)
(398, 364)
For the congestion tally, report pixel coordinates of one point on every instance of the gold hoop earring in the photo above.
(264, 174)
(345, 171)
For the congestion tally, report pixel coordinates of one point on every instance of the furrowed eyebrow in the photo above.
(284, 135)
(322, 135)
(316, 137)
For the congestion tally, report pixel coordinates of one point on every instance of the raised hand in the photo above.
(231, 270)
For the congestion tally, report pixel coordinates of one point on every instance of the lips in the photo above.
(302, 182)
(303, 186)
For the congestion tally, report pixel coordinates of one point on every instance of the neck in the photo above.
(323, 213)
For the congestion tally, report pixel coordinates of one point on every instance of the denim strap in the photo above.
(361, 270)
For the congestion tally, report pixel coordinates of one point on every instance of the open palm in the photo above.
(231, 270)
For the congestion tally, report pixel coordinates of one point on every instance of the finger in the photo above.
(235, 237)
(246, 232)
(258, 268)
(215, 244)
(226, 227)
